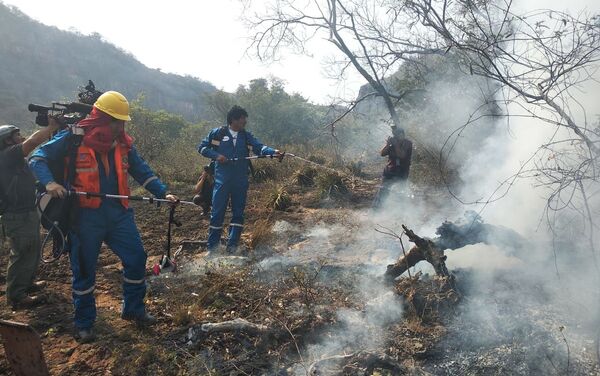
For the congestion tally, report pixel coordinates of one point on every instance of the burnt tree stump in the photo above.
(424, 250)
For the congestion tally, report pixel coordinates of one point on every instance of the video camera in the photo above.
(67, 113)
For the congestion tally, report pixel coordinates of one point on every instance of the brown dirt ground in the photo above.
(122, 349)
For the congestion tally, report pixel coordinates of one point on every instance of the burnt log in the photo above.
(453, 235)
(424, 250)
(406, 262)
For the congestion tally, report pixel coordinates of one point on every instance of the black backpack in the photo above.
(59, 216)
(62, 212)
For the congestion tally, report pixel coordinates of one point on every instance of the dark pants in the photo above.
(386, 188)
(23, 233)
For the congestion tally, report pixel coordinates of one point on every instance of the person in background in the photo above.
(398, 150)
(20, 220)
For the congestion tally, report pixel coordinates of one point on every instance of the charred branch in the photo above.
(472, 230)
(425, 249)
(412, 258)
(453, 236)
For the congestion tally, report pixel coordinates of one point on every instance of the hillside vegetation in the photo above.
(41, 64)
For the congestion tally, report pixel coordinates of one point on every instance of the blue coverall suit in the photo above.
(112, 223)
(231, 180)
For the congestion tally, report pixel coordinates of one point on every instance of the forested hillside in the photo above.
(42, 63)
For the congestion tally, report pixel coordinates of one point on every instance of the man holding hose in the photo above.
(228, 146)
(103, 160)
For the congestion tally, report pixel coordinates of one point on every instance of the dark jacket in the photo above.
(399, 153)
(17, 183)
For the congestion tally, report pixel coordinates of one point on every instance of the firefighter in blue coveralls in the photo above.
(103, 160)
(231, 177)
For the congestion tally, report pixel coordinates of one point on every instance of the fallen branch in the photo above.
(237, 325)
(472, 230)
(197, 332)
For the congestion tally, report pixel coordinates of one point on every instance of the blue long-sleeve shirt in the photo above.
(56, 150)
(211, 148)
(226, 147)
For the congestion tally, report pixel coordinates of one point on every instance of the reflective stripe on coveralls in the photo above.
(231, 180)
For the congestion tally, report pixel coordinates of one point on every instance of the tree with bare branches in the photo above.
(538, 60)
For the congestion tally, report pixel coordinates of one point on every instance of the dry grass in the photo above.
(356, 168)
(182, 315)
(320, 159)
(264, 172)
(331, 184)
(305, 177)
(279, 198)
(237, 294)
(426, 172)
(261, 233)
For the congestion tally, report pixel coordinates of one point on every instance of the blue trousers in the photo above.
(237, 191)
(114, 225)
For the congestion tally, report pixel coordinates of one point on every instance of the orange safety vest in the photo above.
(87, 175)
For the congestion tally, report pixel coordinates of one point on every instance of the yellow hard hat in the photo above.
(115, 104)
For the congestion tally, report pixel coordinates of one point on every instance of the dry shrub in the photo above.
(427, 299)
(263, 172)
(261, 233)
(306, 281)
(425, 171)
(317, 159)
(356, 168)
(182, 315)
(279, 198)
(331, 184)
(305, 177)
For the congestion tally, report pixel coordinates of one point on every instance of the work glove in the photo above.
(279, 155)
(56, 190)
(174, 199)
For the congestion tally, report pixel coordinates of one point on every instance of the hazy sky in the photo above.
(206, 39)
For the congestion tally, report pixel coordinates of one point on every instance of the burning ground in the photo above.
(311, 297)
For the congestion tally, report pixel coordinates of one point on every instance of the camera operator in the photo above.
(19, 215)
